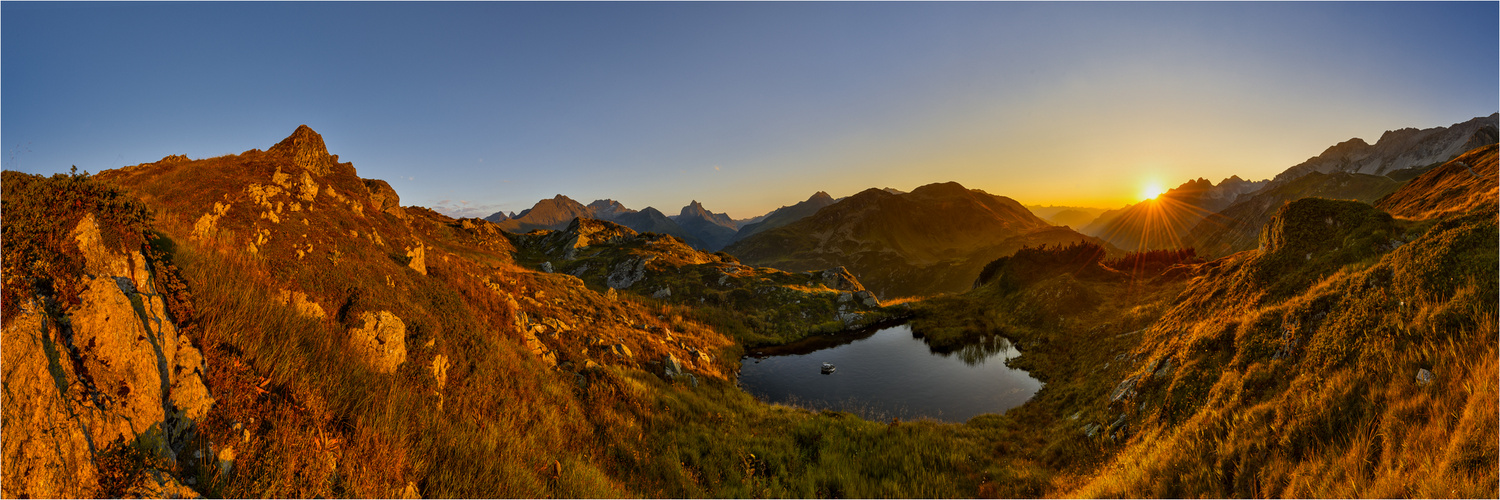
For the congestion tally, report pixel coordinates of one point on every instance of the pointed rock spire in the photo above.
(305, 149)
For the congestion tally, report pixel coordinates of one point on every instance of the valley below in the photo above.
(271, 324)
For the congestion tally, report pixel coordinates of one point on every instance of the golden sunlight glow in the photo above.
(1151, 191)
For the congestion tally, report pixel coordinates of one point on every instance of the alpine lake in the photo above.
(886, 373)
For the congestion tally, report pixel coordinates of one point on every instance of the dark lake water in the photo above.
(891, 374)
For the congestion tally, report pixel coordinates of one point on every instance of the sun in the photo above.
(1151, 191)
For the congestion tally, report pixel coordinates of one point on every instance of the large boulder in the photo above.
(380, 340)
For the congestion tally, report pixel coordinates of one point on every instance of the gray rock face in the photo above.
(628, 273)
(1398, 149)
(671, 366)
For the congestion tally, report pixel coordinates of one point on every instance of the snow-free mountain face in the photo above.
(714, 229)
(934, 239)
(786, 215)
(1399, 149)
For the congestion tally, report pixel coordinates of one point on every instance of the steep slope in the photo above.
(1164, 222)
(1398, 149)
(553, 213)
(713, 229)
(1461, 185)
(1237, 227)
(786, 215)
(932, 240)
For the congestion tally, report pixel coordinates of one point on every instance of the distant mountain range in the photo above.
(1074, 217)
(695, 225)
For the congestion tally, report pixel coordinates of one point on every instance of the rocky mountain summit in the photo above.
(715, 230)
(1399, 149)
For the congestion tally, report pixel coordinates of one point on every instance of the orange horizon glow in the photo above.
(1151, 191)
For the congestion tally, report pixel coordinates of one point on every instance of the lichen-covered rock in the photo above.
(380, 340)
(110, 371)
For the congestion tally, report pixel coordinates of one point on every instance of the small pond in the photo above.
(887, 374)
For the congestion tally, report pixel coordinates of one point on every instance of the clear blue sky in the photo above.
(474, 107)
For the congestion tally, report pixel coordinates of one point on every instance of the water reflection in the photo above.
(891, 373)
(982, 349)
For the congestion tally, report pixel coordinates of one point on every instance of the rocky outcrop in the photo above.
(305, 149)
(628, 273)
(380, 340)
(384, 199)
(417, 258)
(107, 373)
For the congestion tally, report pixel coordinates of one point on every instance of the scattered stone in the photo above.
(1424, 377)
(621, 351)
(537, 348)
(664, 293)
(867, 298)
(546, 267)
(1164, 369)
(1090, 429)
(671, 366)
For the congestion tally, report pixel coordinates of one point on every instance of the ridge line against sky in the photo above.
(470, 108)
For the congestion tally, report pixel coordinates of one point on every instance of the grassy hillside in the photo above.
(1354, 355)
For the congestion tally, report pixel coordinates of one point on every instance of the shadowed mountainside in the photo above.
(713, 229)
(786, 215)
(1237, 227)
(932, 240)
